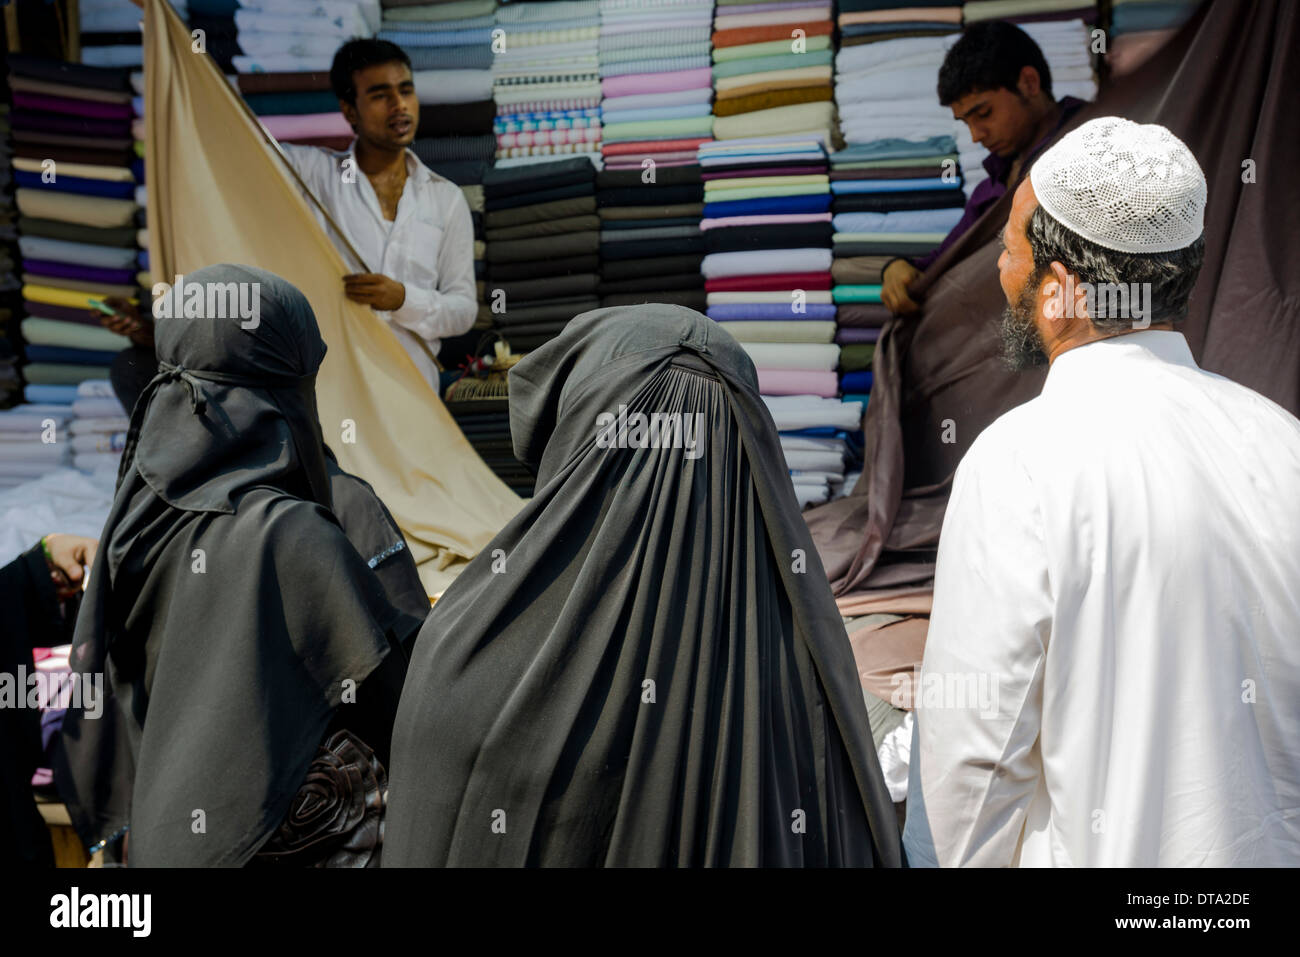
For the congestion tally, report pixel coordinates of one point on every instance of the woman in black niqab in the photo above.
(236, 625)
(646, 666)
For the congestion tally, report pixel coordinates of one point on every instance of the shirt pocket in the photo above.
(420, 248)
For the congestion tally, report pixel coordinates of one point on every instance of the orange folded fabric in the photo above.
(776, 31)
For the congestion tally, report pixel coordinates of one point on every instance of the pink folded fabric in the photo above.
(797, 382)
(548, 137)
(647, 148)
(896, 14)
(306, 125)
(771, 219)
(670, 82)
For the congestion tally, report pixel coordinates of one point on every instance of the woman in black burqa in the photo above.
(646, 666)
(238, 629)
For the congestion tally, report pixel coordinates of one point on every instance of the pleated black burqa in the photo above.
(646, 666)
(236, 625)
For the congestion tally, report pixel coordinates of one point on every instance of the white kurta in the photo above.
(1118, 585)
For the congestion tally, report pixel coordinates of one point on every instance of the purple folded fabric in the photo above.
(634, 83)
(762, 311)
(63, 104)
(848, 335)
(46, 267)
(58, 123)
(43, 310)
(798, 382)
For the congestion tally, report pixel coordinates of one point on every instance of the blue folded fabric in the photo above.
(75, 184)
(818, 432)
(685, 111)
(862, 397)
(911, 26)
(893, 185)
(775, 311)
(899, 221)
(53, 394)
(815, 203)
(137, 168)
(894, 148)
(436, 38)
(142, 260)
(854, 382)
(78, 357)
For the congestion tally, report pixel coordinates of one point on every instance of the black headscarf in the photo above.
(527, 732)
(225, 605)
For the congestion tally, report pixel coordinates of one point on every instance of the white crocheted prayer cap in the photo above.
(1128, 186)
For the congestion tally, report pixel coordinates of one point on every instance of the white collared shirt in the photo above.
(428, 247)
(1120, 562)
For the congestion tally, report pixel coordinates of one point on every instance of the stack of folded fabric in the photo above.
(33, 441)
(656, 81)
(279, 98)
(290, 36)
(97, 432)
(10, 384)
(546, 80)
(767, 234)
(1066, 48)
(479, 402)
(1140, 27)
(77, 185)
(110, 31)
(543, 248)
(216, 18)
(450, 46)
(814, 437)
(651, 245)
(772, 69)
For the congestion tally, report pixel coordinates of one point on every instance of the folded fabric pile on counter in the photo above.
(650, 241)
(772, 69)
(1138, 28)
(814, 438)
(655, 79)
(450, 46)
(288, 36)
(486, 424)
(110, 31)
(543, 248)
(33, 441)
(98, 428)
(546, 80)
(78, 196)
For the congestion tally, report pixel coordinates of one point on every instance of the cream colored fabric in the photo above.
(102, 211)
(219, 193)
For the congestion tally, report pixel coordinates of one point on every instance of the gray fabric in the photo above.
(526, 702)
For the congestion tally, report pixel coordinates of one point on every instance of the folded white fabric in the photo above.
(813, 443)
(342, 26)
(762, 261)
(328, 9)
(806, 356)
(94, 406)
(95, 387)
(453, 86)
(766, 296)
(822, 461)
(794, 412)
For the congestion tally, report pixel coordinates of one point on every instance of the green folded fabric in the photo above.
(768, 48)
(760, 192)
(72, 335)
(857, 356)
(767, 64)
(856, 293)
(753, 182)
(59, 373)
(658, 129)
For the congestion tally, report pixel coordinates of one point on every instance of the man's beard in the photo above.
(1022, 345)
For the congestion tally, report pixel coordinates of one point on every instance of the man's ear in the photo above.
(349, 113)
(1073, 304)
(1029, 83)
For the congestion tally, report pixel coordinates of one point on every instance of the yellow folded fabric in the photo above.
(52, 295)
(109, 174)
(101, 211)
(754, 182)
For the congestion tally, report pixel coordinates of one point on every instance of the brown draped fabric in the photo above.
(1225, 85)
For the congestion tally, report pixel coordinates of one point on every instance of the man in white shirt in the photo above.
(1112, 672)
(409, 224)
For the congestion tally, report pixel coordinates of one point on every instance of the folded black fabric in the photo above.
(550, 287)
(610, 214)
(793, 236)
(540, 212)
(652, 247)
(461, 172)
(635, 178)
(650, 195)
(75, 233)
(569, 244)
(560, 309)
(550, 227)
(457, 119)
(910, 199)
(493, 203)
(71, 154)
(635, 224)
(75, 74)
(434, 150)
(695, 299)
(220, 38)
(512, 180)
(890, 247)
(537, 268)
(684, 280)
(651, 266)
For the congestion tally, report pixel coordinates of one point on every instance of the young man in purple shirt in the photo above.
(997, 82)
